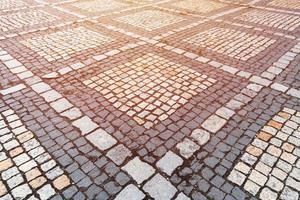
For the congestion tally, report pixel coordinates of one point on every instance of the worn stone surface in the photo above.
(149, 99)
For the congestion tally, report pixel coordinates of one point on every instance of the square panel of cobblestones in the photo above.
(98, 6)
(268, 165)
(60, 50)
(271, 20)
(63, 43)
(143, 93)
(27, 18)
(201, 7)
(239, 45)
(95, 7)
(149, 21)
(7, 4)
(232, 45)
(287, 4)
(150, 88)
(30, 19)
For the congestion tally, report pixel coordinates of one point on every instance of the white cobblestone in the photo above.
(138, 170)
(169, 162)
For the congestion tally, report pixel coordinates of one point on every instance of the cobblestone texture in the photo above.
(150, 19)
(6, 4)
(239, 45)
(61, 44)
(150, 99)
(95, 6)
(202, 6)
(21, 19)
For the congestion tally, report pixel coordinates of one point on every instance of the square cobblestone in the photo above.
(242, 43)
(63, 43)
(172, 86)
(159, 188)
(150, 19)
(149, 99)
(139, 170)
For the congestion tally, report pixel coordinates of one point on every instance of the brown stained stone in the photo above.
(25, 136)
(4, 165)
(61, 182)
(16, 151)
(254, 150)
(284, 115)
(275, 124)
(264, 136)
(288, 147)
(3, 190)
(138, 120)
(37, 182)
(274, 151)
(33, 173)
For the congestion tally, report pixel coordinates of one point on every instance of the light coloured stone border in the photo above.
(92, 132)
(253, 2)
(199, 15)
(149, 181)
(218, 15)
(235, 3)
(257, 81)
(155, 41)
(154, 5)
(252, 5)
(287, 90)
(12, 89)
(96, 58)
(12, 35)
(82, 18)
(202, 59)
(277, 33)
(216, 121)
(104, 141)
(21, 8)
(278, 10)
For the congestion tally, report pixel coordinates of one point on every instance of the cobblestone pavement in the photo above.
(150, 99)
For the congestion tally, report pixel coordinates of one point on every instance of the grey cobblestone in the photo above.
(149, 99)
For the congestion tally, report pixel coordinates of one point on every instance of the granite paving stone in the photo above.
(139, 170)
(150, 99)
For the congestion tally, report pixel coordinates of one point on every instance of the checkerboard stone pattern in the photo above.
(63, 43)
(271, 19)
(98, 6)
(7, 4)
(233, 43)
(270, 167)
(203, 6)
(23, 19)
(25, 166)
(149, 88)
(150, 19)
(291, 4)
